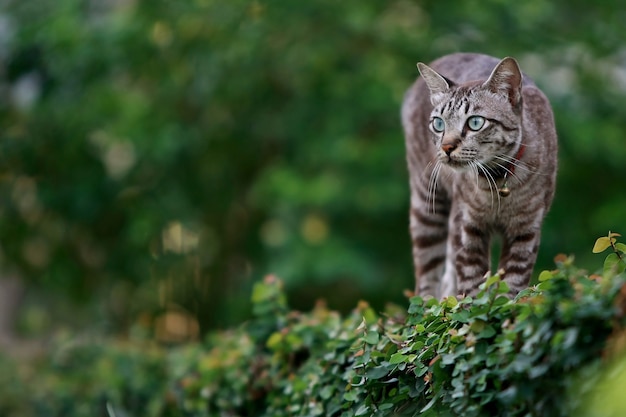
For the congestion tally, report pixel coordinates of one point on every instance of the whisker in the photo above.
(432, 184)
(528, 145)
(516, 163)
(513, 161)
(430, 163)
(473, 166)
(509, 172)
(491, 181)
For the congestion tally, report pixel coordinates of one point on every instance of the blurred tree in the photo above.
(158, 152)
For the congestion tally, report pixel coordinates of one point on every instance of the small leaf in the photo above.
(327, 392)
(420, 369)
(452, 301)
(492, 280)
(613, 265)
(544, 286)
(477, 326)
(621, 247)
(503, 287)
(362, 327)
(487, 332)
(397, 358)
(602, 243)
(546, 275)
(274, 340)
(377, 372)
(460, 316)
(371, 338)
(430, 404)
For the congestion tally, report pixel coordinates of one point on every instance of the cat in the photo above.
(482, 157)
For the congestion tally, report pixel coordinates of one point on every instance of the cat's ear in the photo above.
(506, 79)
(437, 83)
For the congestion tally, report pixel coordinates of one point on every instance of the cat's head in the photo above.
(478, 123)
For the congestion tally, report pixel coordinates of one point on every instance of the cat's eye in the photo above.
(438, 124)
(475, 122)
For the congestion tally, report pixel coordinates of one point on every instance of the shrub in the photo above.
(545, 353)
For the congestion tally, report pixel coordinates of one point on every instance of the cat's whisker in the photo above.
(493, 186)
(474, 167)
(430, 163)
(515, 162)
(432, 184)
(509, 172)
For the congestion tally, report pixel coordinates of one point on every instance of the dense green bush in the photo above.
(553, 351)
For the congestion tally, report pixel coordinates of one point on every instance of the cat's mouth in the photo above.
(456, 163)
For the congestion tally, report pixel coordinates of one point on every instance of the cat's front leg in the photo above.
(448, 285)
(429, 233)
(519, 252)
(470, 246)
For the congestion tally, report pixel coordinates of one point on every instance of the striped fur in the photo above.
(456, 172)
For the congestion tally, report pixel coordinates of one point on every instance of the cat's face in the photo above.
(478, 124)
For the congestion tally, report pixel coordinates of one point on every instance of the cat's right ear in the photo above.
(437, 83)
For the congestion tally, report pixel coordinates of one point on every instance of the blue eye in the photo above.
(438, 124)
(475, 122)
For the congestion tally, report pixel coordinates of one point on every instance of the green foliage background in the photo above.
(171, 152)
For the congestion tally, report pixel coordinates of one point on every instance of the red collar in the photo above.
(503, 171)
(518, 156)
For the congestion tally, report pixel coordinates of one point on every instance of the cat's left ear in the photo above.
(506, 79)
(437, 83)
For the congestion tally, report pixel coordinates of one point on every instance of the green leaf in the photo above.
(430, 404)
(545, 286)
(460, 316)
(327, 392)
(371, 338)
(621, 247)
(377, 372)
(274, 340)
(500, 301)
(492, 280)
(477, 326)
(350, 396)
(452, 301)
(385, 406)
(397, 358)
(613, 265)
(487, 332)
(545, 276)
(420, 369)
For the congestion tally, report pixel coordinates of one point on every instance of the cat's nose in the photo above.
(448, 148)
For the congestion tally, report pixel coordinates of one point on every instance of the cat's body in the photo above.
(481, 150)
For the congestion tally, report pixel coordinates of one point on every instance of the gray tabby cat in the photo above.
(481, 150)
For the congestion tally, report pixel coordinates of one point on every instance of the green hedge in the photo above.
(553, 351)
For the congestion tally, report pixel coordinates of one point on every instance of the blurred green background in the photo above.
(158, 157)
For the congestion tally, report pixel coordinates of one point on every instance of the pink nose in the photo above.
(448, 148)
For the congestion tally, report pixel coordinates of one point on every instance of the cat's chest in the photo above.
(484, 198)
